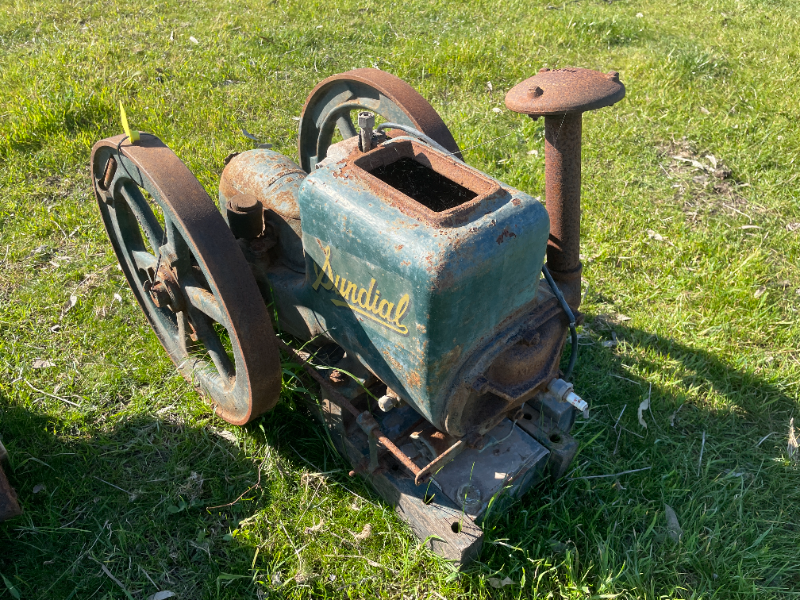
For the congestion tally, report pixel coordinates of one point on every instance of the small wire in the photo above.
(436, 144)
(499, 137)
(494, 441)
(565, 307)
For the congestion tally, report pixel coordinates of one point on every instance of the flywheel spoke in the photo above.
(205, 302)
(184, 341)
(345, 126)
(126, 232)
(144, 261)
(144, 214)
(207, 335)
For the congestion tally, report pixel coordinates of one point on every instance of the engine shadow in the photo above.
(711, 447)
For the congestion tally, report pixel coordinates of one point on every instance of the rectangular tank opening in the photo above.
(435, 188)
(421, 183)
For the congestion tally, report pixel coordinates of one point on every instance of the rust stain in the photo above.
(414, 379)
(506, 234)
(567, 90)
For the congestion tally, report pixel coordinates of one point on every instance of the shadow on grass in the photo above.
(714, 450)
(134, 496)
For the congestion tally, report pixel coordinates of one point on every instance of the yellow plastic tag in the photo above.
(133, 135)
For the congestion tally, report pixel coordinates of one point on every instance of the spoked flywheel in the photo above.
(331, 102)
(188, 274)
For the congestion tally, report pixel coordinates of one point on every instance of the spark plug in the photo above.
(565, 392)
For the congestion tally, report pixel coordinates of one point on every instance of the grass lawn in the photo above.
(691, 225)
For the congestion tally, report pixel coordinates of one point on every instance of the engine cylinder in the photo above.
(274, 179)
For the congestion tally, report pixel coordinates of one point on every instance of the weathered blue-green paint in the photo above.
(460, 282)
(413, 301)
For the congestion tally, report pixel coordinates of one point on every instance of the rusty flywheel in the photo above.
(188, 275)
(330, 103)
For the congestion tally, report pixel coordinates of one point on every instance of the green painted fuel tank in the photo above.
(414, 260)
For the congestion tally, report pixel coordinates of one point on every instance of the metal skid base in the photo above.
(446, 512)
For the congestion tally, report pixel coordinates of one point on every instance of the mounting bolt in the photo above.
(336, 377)
(108, 175)
(536, 91)
(159, 294)
(245, 216)
(366, 122)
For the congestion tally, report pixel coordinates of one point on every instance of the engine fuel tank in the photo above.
(414, 259)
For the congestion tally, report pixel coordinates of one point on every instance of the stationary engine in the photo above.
(410, 285)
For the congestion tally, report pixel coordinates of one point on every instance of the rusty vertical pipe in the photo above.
(562, 170)
(561, 96)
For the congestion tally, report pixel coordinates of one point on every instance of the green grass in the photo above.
(704, 307)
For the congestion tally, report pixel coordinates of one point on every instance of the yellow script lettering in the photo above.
(401, 309)
(326, 270)
(365, 301)
(385, 309)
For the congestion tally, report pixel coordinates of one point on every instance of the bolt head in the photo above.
(159, 294)
(337, 377)
(366, 120)
(244, 203)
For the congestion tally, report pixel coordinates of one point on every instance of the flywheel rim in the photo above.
(193, 260)
(329, 103)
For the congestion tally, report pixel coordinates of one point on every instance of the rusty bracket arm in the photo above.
(439, 462)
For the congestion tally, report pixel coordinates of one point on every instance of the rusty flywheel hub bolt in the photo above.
(165, 292)
(561, 96)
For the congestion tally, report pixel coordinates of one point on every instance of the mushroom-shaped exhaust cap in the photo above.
(568, 90)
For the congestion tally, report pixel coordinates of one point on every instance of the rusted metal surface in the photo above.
(433, 467)
(483, 187)
(561, 96)
(365, 416)
(432, 442)
(562, 170)
(366, 123)
(508, 465)
(108, 176)
(274, 180)
(245, 216)
(165, 290)
(9, 505)
(569, 90)
(329, 104)
(194, 262)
